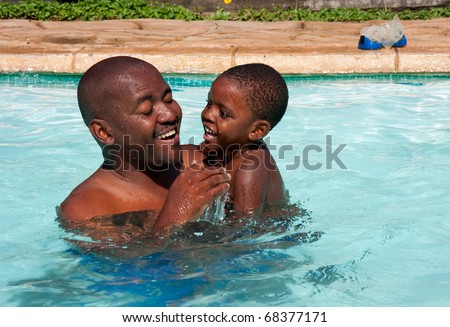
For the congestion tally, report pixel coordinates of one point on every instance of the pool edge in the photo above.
(210, 47)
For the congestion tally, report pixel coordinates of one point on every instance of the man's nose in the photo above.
(166, 114)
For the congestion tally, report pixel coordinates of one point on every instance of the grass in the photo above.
(135, 9)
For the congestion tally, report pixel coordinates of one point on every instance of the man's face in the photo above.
(146, 120)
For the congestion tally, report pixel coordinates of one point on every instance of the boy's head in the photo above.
(264, 90)
(244, 104)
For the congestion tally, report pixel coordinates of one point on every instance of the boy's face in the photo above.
(226, 118)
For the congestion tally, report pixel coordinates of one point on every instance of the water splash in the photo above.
(215, 212)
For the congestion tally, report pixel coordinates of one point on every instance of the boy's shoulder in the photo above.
(258, 177)
(259, 154)
(254, 160)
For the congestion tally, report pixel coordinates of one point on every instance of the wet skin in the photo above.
(136, 122)
(233, 138)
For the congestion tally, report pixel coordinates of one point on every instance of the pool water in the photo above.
(378, 208)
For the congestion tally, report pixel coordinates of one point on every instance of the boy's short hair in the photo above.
(266, 92)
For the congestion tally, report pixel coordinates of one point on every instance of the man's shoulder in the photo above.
(85, 199)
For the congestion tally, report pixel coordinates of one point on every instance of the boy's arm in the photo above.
(250, 185)
(189, 195)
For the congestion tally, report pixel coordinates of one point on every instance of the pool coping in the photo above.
(210, 47)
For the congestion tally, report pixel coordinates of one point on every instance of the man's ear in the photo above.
(258, 130)
(101, 130)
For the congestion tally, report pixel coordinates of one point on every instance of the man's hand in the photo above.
(190, 194)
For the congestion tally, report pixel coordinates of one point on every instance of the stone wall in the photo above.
(210, 5)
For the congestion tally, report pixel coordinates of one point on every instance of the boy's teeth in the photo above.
(209, 131)
(165, 135)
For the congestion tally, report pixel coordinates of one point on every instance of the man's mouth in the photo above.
(167, 135)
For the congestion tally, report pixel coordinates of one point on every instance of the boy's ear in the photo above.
(101, 130)
(258, 130)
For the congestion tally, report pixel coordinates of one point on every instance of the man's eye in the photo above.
(208, 103)
(148, 113)
(168, 97)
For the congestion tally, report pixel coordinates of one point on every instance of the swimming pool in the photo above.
(382, 216)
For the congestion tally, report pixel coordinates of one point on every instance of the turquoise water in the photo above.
(377, 232)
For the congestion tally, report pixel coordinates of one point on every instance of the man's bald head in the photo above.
(104, 83)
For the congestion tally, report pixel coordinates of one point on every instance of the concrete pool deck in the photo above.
(212, 46)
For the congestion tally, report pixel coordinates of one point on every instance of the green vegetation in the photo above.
(132, 9)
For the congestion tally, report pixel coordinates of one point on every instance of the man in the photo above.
(129, 110)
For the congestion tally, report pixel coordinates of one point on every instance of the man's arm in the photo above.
(189, 195)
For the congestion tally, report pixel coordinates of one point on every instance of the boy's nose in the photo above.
(208, 114)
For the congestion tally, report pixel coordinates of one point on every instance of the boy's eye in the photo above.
(223, 114)
(208, 103)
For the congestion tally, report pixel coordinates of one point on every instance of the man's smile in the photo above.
(166, 135)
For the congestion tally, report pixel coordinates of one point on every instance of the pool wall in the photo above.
(211, 5)
(213, 46)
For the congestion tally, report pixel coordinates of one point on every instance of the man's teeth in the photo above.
(166, 135)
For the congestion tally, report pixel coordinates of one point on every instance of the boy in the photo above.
(244, 104)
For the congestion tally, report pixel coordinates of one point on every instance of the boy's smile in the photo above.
(209, 133)
(226, 118)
